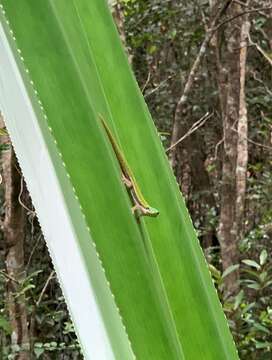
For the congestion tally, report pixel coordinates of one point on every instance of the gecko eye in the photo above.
(154, 212)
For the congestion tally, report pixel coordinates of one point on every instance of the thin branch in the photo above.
(259, 144)
(9, 277)
(261, 82)
(217, 146)
(146, 82)
(29, 211)
(250, 11)
(240, 3)
(247, 138)
(254, 142)
(264, 34)
(265, 55)
(192, 129)
(159, 86)
(203, 16)
(33, 251)
(45, 287)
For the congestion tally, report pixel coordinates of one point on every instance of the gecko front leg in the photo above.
(127, 181)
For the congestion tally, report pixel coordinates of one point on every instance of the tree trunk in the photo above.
(14, 234)
(242, 131)
(231, 76)
(119, 19)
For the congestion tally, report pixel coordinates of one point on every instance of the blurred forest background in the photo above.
(205, 70)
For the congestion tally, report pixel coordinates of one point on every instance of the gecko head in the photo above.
(153, 212)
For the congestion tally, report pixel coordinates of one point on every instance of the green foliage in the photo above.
(51, 348)
(165, 271)
(4, 324)
(164, 37)
(250, 312)
(54, 333)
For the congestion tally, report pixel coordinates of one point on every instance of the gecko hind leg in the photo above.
(127, 182)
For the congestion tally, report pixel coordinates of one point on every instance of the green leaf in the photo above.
(263, 345)
(268, 283)
(152, 49)
(263, 276)
(215, 272)
(248, 307)
(261, 328)
(38, 349)
(25, 289)
(251, 263)
(238, 299)
(254, 286)
(263, 257)
(32, 275)
(5, 325)
(229, 270)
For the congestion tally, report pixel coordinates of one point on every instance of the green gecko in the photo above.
(128, 178)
